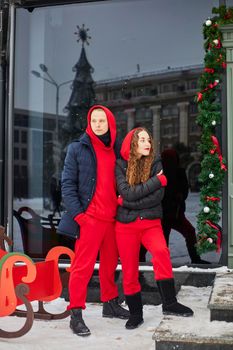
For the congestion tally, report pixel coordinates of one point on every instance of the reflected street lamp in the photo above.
(49, 79)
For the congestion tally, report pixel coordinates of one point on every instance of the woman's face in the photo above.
(144, 144)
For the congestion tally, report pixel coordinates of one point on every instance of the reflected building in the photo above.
(164, 103)
(161, 101)
(34, 152)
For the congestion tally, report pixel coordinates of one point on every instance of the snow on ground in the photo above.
(106, 333)
(111, 333)
(198, 328)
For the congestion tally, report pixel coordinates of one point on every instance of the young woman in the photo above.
(140, 184)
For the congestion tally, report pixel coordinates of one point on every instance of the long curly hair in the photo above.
(139, 169)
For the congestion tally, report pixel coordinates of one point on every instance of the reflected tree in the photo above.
(83, 94)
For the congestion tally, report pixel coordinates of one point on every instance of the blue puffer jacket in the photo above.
(78, 182)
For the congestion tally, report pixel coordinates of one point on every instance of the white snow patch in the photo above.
(111, 333)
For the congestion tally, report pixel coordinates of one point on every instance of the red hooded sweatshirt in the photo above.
(104, 202)
(125, 147)
(125, 151)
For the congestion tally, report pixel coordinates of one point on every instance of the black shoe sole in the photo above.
(134, 327)
(176, 314)
(81, 334)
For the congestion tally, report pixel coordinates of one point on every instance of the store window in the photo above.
(122, 61)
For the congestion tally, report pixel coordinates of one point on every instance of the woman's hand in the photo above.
(162, 178)
(120, 200)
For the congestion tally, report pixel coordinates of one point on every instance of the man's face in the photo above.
(99, 122)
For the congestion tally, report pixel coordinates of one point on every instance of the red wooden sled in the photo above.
(20, 284)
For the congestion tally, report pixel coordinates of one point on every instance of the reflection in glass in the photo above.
(174, 203)
(144, 77)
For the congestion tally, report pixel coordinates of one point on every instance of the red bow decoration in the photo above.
(210, 86)
(224, 65)
(219, 234)
(209, 70)
(208, 198)
(217, 149)
(199, 96)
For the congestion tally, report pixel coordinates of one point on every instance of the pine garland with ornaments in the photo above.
(213, 166)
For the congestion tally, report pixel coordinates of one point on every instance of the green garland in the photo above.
(209, 116)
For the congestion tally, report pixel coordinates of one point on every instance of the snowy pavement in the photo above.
(197, 329)
(106, 333)
(111, 333)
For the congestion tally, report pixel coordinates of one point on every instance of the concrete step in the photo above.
(197, 332)
(150, 295)
(221, 299)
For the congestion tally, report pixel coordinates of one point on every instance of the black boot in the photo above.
(170, 305)
(198, 260)
(112, 309)
(195, 258)
(134, 302)
(144, 285)
(77, 324)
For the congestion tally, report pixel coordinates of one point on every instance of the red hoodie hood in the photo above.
(111, 125)
(125, 148)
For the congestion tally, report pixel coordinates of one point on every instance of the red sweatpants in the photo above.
(129, 238)
(95, 235)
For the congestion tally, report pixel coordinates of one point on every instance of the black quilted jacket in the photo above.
(143, 200)
(79, 182)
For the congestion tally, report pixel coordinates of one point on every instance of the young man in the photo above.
(89, 193)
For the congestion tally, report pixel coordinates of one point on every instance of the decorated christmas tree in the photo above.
(213, 165)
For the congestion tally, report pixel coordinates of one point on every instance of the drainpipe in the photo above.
(3, 39)
(10, 122)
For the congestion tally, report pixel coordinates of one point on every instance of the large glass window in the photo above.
(132, 56)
